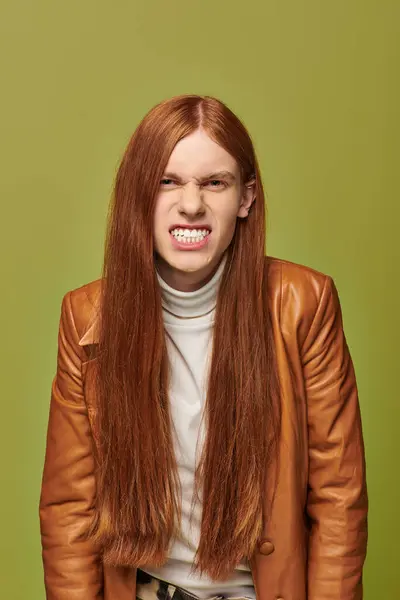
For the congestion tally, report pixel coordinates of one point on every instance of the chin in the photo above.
(189, 269)
(187, 262)
(189, 266)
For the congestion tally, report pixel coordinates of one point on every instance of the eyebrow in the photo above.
(215, 175)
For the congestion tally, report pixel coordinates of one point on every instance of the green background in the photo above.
(317, 85)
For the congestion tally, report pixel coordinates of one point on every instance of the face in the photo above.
(200, 198)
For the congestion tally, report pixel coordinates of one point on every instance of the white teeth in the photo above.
(188, 236)
(190, 232)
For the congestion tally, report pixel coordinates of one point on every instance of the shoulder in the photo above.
(296, 291)
(84, 302)
(295, 277)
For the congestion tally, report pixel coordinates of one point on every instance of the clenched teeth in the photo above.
(190, 235)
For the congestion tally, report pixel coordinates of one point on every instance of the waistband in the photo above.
(152, 588)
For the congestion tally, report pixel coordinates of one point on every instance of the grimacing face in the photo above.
(200, 190)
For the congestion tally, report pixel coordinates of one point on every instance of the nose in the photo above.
(190, 201)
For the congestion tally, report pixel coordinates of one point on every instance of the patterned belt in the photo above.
(152, 588)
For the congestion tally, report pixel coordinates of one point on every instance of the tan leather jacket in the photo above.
(313, 547)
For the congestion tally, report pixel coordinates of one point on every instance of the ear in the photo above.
(248, 197)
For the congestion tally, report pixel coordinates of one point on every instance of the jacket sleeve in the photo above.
(337, 501)
(72, 568)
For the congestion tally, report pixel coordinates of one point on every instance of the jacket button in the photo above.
(266, 547)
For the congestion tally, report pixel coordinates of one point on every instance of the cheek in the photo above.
(228, 229)
(226, 215)
(159, 219)
(157, 228)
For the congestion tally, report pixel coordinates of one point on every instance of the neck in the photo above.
(194, 303)
(185, 281)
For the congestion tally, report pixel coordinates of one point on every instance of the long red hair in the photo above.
(137, 506)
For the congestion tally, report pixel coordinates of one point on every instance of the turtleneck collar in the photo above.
(192, 304)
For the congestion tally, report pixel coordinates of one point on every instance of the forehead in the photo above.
(197, 154)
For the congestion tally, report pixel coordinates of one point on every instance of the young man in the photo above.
(204, 437)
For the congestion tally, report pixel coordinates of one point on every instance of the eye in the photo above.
(216, 183)
(165, 181)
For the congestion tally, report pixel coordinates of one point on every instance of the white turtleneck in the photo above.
(188, 321)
